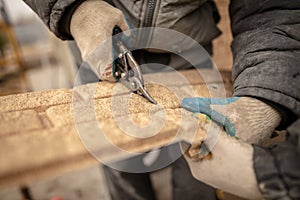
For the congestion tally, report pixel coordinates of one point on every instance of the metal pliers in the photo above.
(126, 70)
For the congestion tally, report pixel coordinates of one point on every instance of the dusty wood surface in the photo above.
(52, 132)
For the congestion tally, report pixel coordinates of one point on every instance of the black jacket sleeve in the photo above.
(278, 168)
(266, 50)
(56, 14)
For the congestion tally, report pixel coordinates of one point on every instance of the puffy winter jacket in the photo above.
(266, 45)
(194, 18)
(266, 50)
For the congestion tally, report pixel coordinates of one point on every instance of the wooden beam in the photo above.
(52, 132)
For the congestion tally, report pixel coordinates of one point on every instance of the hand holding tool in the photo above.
(91, 26)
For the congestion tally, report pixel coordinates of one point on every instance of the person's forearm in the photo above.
(52, 12)
(266, 40)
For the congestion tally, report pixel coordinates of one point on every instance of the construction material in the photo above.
(43, 133)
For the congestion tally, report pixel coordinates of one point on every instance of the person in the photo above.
(265, 77)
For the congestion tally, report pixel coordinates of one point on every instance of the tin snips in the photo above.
(125, 68)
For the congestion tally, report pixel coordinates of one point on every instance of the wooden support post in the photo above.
(6, 25)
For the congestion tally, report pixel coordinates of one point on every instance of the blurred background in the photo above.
(33, 59)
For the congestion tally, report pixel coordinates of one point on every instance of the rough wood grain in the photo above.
(51, 132)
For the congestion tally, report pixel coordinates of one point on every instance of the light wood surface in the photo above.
(48, 133)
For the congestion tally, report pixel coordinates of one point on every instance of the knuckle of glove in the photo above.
(118, 18)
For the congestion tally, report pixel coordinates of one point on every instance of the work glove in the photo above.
(228, 163)
(248, 171)
(228, 166)
(92, 24)
(245, 118)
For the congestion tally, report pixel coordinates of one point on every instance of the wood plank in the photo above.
(77, 127)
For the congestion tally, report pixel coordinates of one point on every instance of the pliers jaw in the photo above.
(135, 85)
(128, 72)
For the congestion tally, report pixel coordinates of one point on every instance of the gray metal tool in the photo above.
(127, 70)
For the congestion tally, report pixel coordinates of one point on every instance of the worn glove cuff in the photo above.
(65, 21)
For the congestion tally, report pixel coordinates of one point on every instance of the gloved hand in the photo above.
(246, 118)
(229, 166)
(250, 171)
(235, 166)
(91, 24)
